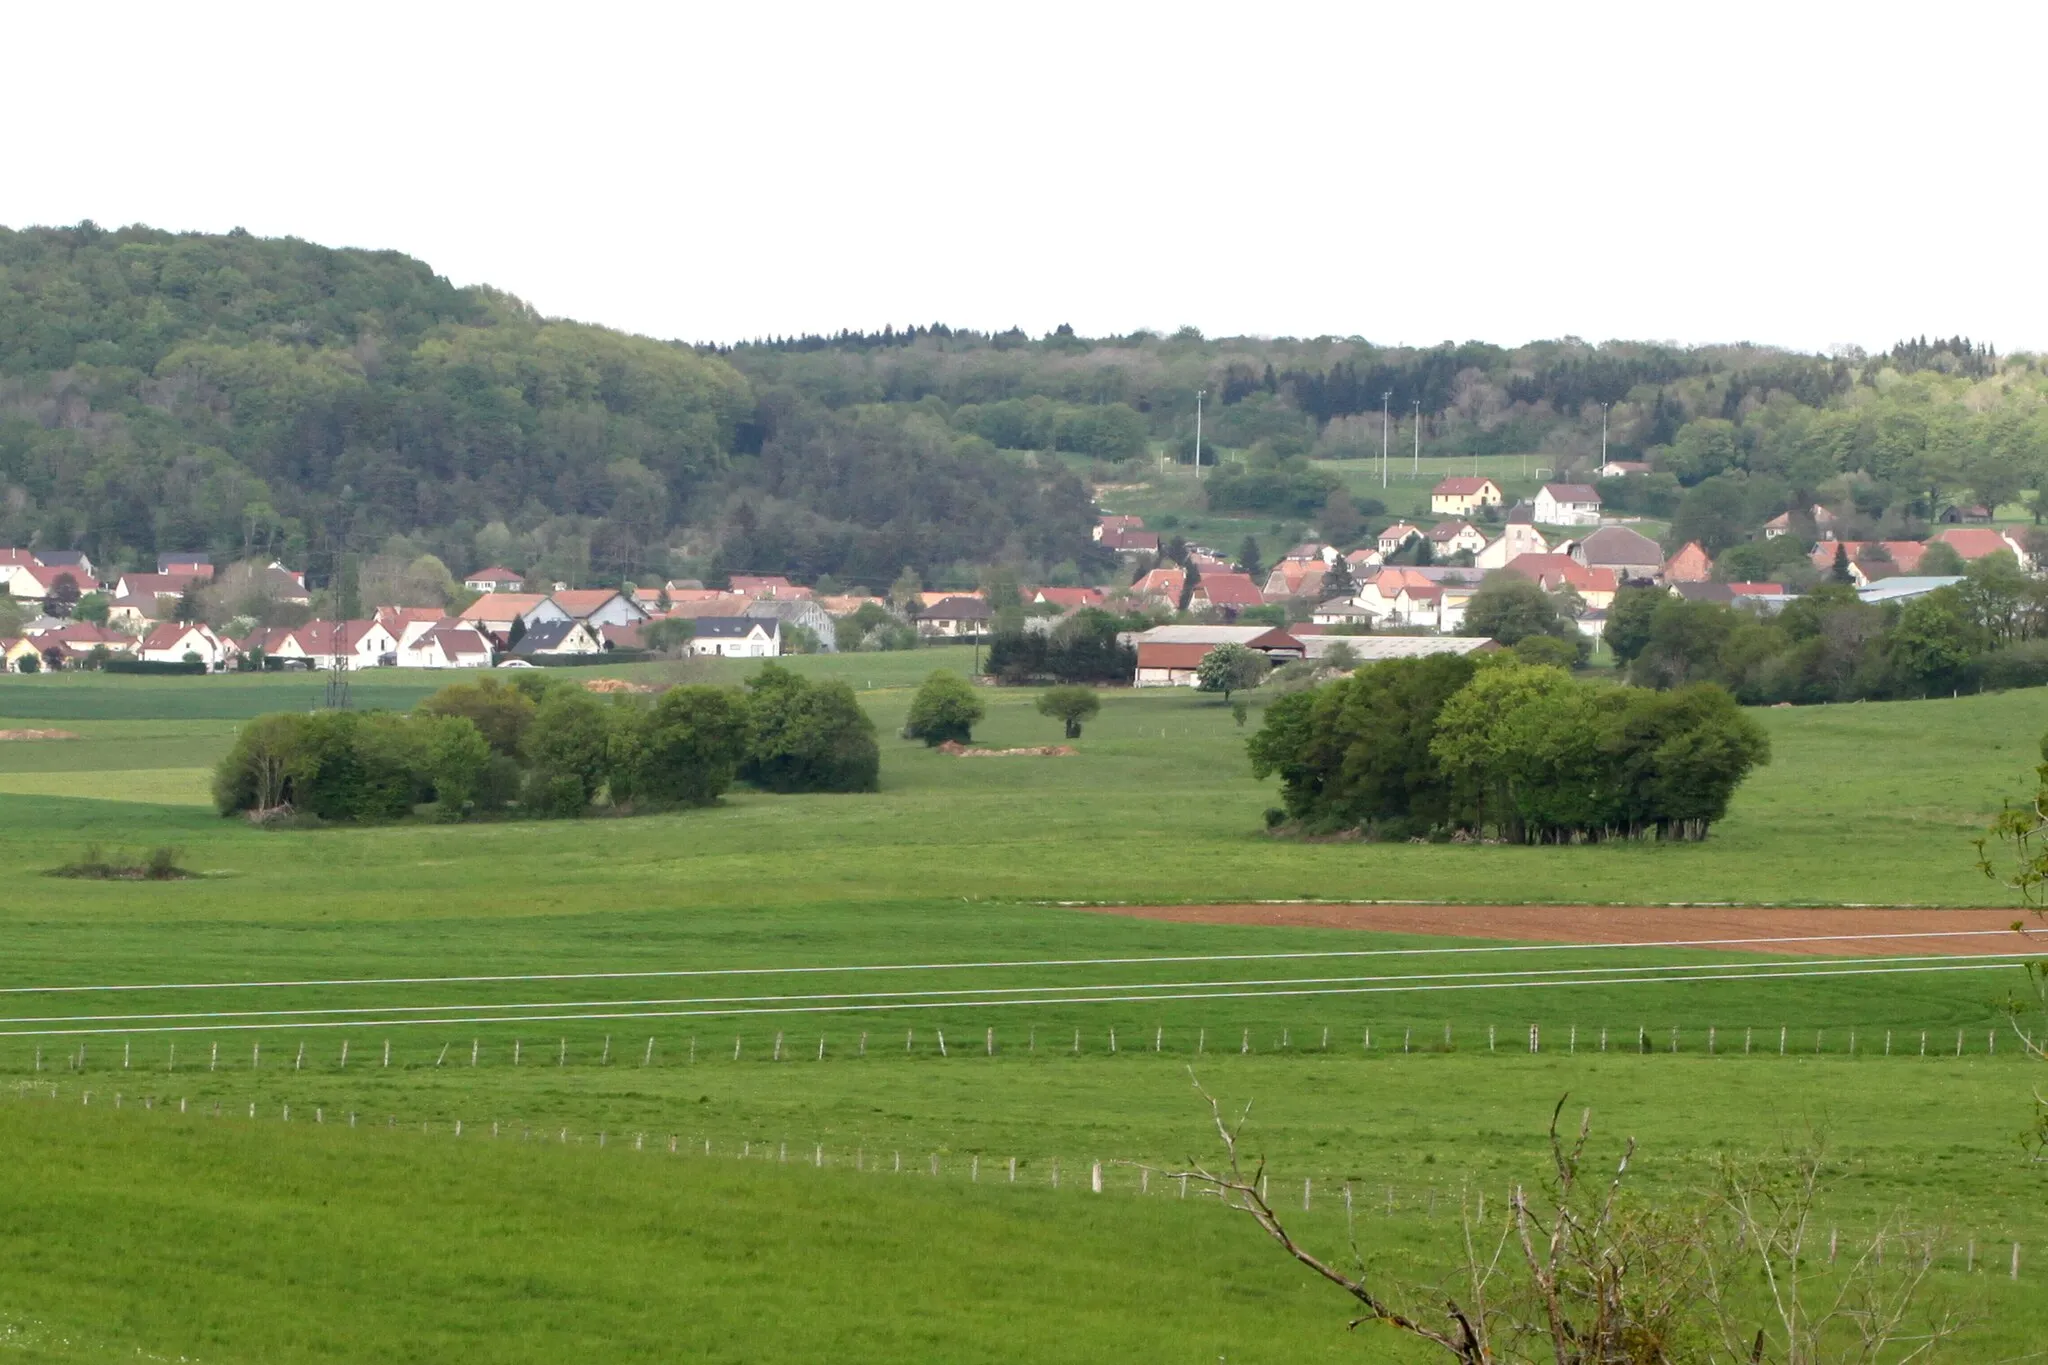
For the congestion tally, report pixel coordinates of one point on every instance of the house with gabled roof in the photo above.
(496, 578)
(1691, 564)
(1454, 537)
(1631, 554)
(763, 585)
(742, 637)
(558, 637)
(1555, 573)
(598, 606)
(495, 612)
(954, 617)
(1822, 519)
(1567, 504)
(446, 645)
(1229, 593)
(1296, 578)
(1130, 542)
(1161, 585)
(1066, 599)
(1979, 542)
(1462, 495)
(1397, 535)
(171, 641)
(1104, 525)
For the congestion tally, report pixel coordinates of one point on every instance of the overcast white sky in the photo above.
(1801, 174)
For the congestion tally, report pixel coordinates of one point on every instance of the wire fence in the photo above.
(1049, 1043)
(1359, 1200)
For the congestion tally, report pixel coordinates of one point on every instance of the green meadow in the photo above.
(190, 1229)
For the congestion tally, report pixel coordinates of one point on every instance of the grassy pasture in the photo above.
(232, 1239)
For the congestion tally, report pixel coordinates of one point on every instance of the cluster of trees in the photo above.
(1081, 649)
(541, 746)
(1494, 745)
(1988, 632)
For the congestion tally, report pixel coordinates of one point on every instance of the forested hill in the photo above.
(237, 395)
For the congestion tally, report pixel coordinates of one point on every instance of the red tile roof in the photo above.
(1974, 542)
(1462, 486)
(1230, 590)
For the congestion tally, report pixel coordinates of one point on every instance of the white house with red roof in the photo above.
(1455, 537)
(1554, 573)
(1979, 542)
(1066, 599)
(1397, 535)
(171, 641)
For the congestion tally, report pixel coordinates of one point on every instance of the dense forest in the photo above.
(234, 395)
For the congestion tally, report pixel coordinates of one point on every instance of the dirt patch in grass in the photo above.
(616, 685)
(1739, 928)
(959, 750)
(36, 734)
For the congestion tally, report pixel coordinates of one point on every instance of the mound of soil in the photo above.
(615, 685)
(959, 750)
(37, 734)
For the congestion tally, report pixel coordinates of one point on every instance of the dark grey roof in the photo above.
(164, 562)
(957, 609)
(544, 636)
(61, 559)
(1523, 512)
(734, 627)
(1704, 592)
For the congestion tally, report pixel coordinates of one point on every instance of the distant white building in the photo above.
(738, 637)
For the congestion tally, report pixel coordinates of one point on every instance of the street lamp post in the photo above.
(1603, 432)
(1198, 433)
(1417, 468)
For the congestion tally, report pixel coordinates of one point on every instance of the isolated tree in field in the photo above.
(1070, 706)
(945, 708)
(1231, 668)
(567, 746)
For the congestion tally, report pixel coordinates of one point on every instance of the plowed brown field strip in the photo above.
(1738, 928)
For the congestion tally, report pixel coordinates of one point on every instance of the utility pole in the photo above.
(1198, 433)
(1603, 432)
(1417, 468)
(1386, 410)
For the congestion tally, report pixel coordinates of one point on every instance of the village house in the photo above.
(184, 562)
(1066, 599)
(1979, 542)
(1690, 565)
(1296, 578)
(1629, 553)
(1373, 649)
(1621, 469)
(1104, 525)
(497, 578)
(1229, 593)
(558, 637)
(171, 641)
(1870, 560)
(406, 624)
(1461, 496)
(1555, 573)
(1161, 586)
(954, 617)
(39, 582)
(1169, 655)
(1342, 611)
(1397, 535)
(1823, 524)
(446, 645)
(16, 649)
(495, 612)
(1309, 552)
(1517, 537)
(1567, 504)
(803, 613)
(1130, 542)
(742, 637)
(1456, 537)
(598, 607)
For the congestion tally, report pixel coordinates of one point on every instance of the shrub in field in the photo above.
(944, 708)
(1081, 649)
(1070, 706)
(160, 864)
(808, 736)
(500, 713)
(568, 749)
(687, 747)
(338, 765)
